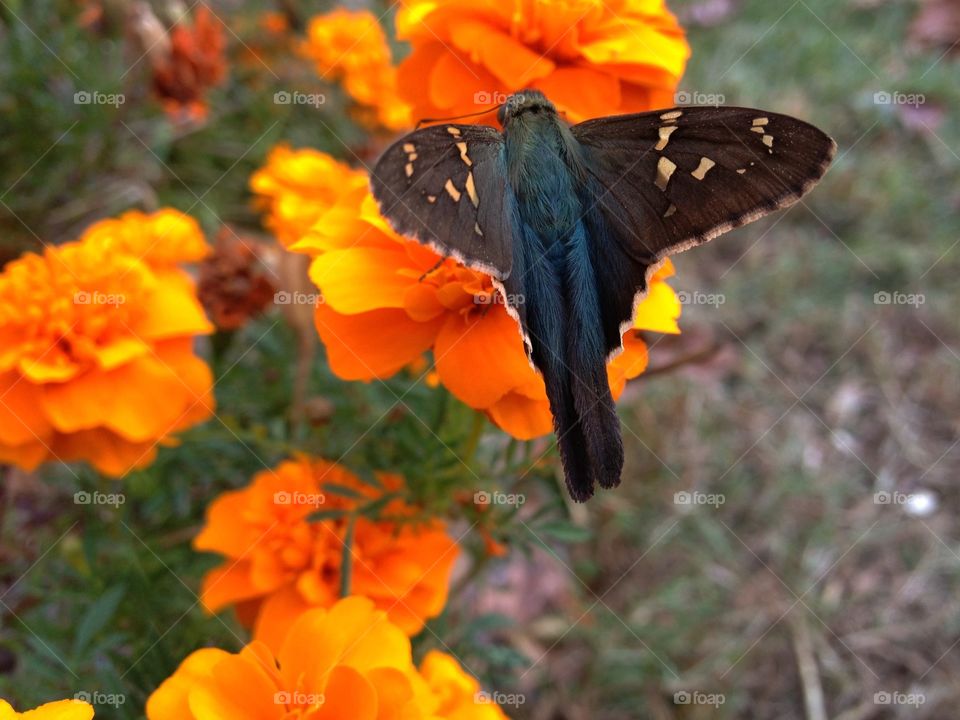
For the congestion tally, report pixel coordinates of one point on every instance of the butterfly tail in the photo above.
(586, 362)
(563, 316)
(571, 439)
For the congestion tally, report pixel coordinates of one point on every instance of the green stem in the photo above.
(476, 432)
(346, 565)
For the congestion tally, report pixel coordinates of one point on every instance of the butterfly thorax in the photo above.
(538, 151)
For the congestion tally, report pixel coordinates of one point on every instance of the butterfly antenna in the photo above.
(424, 121)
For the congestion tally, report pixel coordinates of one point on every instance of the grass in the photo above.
(798, 596)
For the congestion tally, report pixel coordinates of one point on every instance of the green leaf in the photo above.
(563, 531)
(96, 618)
(343, 491)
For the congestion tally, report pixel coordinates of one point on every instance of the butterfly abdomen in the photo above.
(562, 308)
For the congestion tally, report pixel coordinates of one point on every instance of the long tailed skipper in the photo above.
(576, 219)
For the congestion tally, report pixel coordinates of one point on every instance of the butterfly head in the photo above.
(526, 101)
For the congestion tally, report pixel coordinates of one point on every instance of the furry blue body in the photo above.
(554, 265)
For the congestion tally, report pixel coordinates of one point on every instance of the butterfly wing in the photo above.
(445, 185)
(659, 183)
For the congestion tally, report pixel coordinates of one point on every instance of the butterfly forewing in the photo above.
(659, 183)
(683, 176)
(446, 186)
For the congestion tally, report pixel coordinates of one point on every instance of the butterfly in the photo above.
(572, 221)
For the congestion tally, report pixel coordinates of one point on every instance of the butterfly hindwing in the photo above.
(659, 183)
(445, 185)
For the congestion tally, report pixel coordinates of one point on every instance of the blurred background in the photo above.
(786, 535)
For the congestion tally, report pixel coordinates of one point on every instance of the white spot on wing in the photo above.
(665, 133)
(452, 190)
(703, 168)
(665, 168)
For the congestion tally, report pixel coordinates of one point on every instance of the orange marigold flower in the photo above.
(279, 564)
(96, 345)
(590, 57)
(296, 187)
(348, 661)
(387, 301)
(194, 62)
(60, 710)
(351, 47)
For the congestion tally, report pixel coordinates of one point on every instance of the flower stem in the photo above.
(346, 565)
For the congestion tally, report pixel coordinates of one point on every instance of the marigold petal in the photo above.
(374, 344)
(171, 309)
(659, 310)
(582, 91)
(511, 62)
(348, 694)
(361, 279)
(522, 417)
(108, 452)
(153, 398)
(394, 692)
(170, 701)
(628, 364)
(277, 614)
(224, 532)
(481, 359)
(229, 583)
(59, 710)
(21, 418)
(239, 688)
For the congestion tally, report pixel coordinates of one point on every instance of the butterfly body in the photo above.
(571, 222)
(558, 281)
